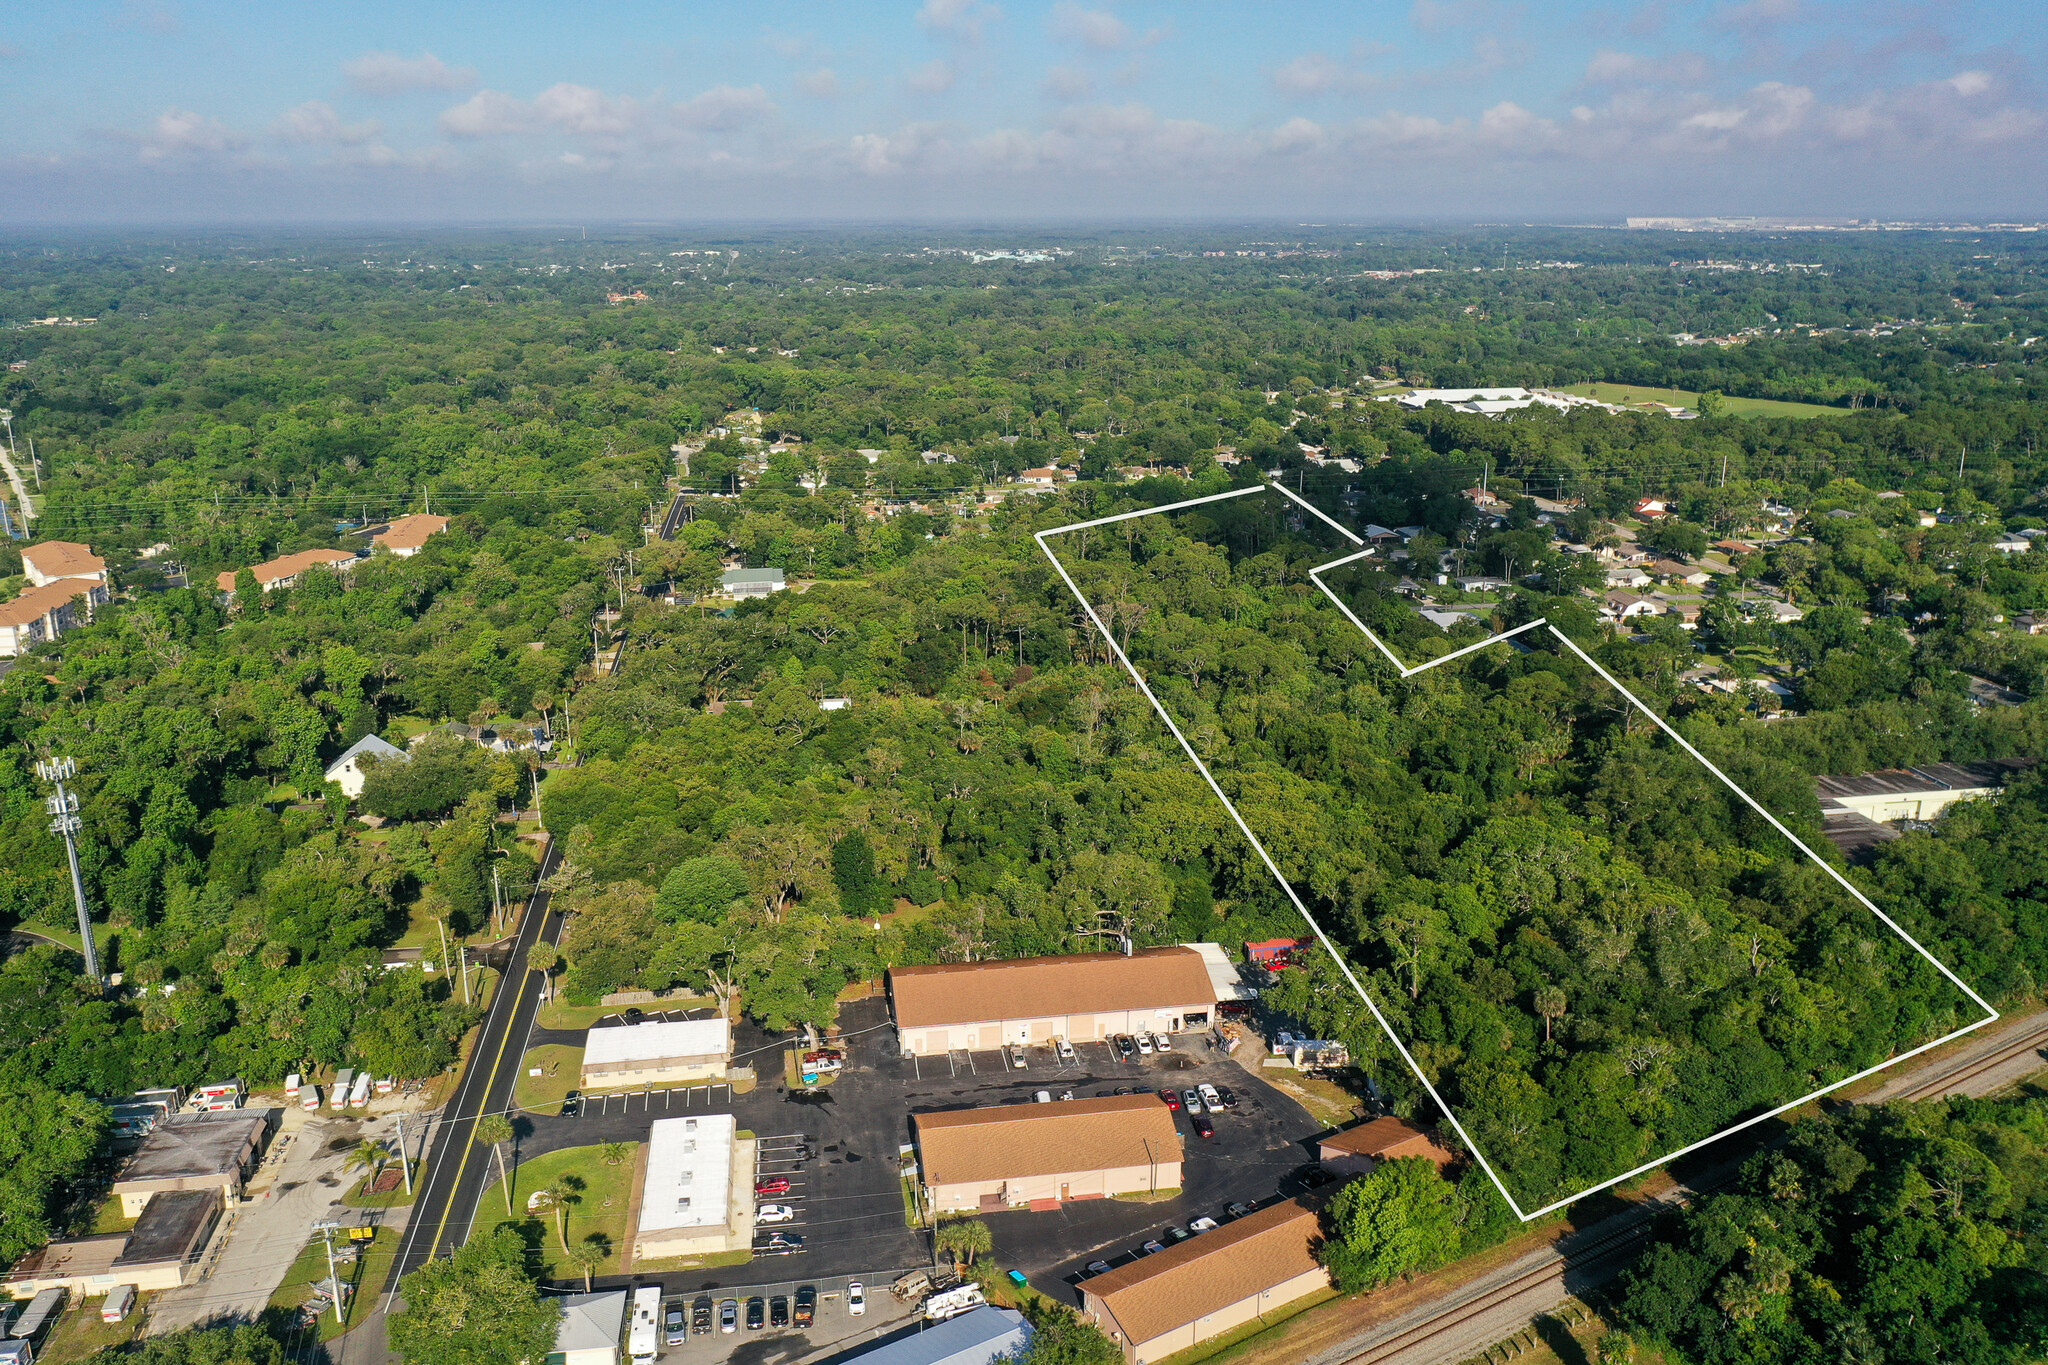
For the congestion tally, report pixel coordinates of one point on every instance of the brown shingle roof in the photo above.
(1034, 987)
(409, 533)
(1157, 1293)
(1012, 1141)
(63, 559)
(34, 603)
(1389, 1138)
(285, 567)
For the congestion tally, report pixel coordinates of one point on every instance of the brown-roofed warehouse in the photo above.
(1355, 1151)
(1081, 997)
(1062, 1149)
(1223, 1278)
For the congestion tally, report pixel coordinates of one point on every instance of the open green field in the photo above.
(1630, 395)
(599, 1213)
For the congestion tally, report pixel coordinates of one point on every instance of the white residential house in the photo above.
(744, 583)
(2012, 545)
(1627, 577)
(347, 771)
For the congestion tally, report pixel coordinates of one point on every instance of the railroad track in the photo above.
(2030, 1038)
(1619, 1243)
(1625, 1239)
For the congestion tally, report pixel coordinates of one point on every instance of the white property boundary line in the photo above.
(1323, 937)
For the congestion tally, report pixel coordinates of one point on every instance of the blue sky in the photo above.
(142, 111)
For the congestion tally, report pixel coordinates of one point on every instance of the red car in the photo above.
(774, 1184)
(1172, 1100)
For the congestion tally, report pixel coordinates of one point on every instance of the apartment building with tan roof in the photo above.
(407, 536)
(60, 559)
(1041, 1154)
(286, 570)
(1081, 997)
(1216, 1281)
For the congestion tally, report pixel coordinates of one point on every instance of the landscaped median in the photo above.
(595, 1187)
(561, 1070)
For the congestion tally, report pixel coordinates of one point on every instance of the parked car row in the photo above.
(1140, 1044)
(770, 1310)
(1174, 1236)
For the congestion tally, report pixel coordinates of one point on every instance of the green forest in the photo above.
(1590, 944)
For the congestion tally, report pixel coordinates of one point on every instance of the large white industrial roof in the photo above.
(689, 1172)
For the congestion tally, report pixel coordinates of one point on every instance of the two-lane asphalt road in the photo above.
(456, 1166)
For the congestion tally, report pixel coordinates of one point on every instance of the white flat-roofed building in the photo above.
(640, 1055)
(696, 1197)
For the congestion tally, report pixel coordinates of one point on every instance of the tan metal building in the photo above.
(161, 1252)
(1041, 1154)
(1355, 1151)
(1209, 1284)
(1081, 997)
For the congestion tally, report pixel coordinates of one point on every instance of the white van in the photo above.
(343, 1079)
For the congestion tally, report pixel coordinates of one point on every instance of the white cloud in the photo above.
(487, 113)
(1068, 83)
(179, 133)
(724, 109)
(387, 73)
(316, 121)
(933, 78)
(1967, 83)
(585, 112)
(962, 20)
(1096, 28)
(1610, 67)
(1312, 73)
(822, 84)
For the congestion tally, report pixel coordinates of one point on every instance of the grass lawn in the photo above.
(1631, 395)
(309, 1273)
(1217, 1347)
(79, 1333)
(1325, 1100)
(360, 1197)
(600, 1210)
(706, 1262)
(561, 1068)
(1166, 1196)
(109, 1218)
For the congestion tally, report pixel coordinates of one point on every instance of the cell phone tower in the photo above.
(63, 808)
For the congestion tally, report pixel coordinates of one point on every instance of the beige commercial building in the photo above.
(696, 1189)
(1081, 997)
(1355, 1151)
(160, 1252)
(1040, 1154)
(1209, 1284)
(637, 1056)
(216, 1151)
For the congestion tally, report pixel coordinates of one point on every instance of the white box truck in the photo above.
(338, 1097)
(359, 1093)
(311, 1099)
(646, 1324)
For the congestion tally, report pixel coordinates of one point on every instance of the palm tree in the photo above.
(616, 1152)
(587, 1255)
(965, 1235)
(494, 1131)
(560, 1193)
(1550, 1004)
(370, 1155)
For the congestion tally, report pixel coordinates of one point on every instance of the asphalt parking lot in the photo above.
(846, 1197)
(1256, 1156)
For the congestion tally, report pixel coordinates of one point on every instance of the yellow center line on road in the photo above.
(448, 1204)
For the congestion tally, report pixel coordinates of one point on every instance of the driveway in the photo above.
(297, 1187)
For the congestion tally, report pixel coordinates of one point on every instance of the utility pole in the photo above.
(404, 1156)
(326, 1230)
(63, 807)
